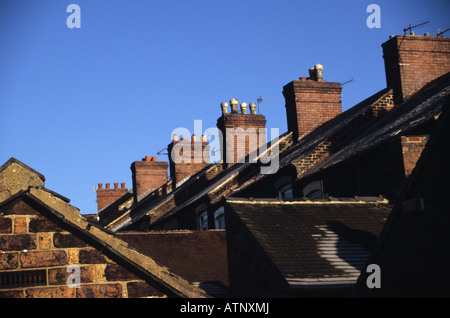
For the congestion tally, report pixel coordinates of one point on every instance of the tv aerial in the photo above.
(440, 32)
(416, 26)
(347, 82)
(260, 100)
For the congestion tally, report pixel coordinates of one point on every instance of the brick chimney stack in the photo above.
(147, 175)
(411, 61)
(107, 196)
(242, 133)
(310, 102)
(187, 157)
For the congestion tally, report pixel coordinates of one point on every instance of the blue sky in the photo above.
(80, 105)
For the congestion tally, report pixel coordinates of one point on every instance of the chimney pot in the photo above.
(204, 139)
(154, 158)
(122, 185)
(234, 105)
(147, 158)
(224, 107)
(175, 138)
(253, 108)
(244, 108)
(106, 185)
(194, 138)
(116, 185)
(100, 186)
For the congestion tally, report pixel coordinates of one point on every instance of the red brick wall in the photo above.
(107, 196)
(412, 147)
(411, 61)
(32, 242)
(148, 174)
(239, 143)
(199, 151)
(310, 103)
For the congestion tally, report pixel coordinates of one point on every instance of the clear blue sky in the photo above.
(80, 105)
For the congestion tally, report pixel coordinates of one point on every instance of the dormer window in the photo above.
(219, 218)
(286, 192)
(203, 221)
(313, 190)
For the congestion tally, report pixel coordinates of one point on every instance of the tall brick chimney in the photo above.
(107, 195)
(242, 133)
(411, 61)
(310, 102)
(187, 157)
(147, 175)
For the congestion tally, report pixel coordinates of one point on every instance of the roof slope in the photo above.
(417, 110)
(413, 250)
(314, 242)
(70, 216)
(197, 256)
(214, 181)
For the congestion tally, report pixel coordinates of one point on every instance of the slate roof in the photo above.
(314, 242)
(417, 110)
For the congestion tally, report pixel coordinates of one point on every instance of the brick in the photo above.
(18, 207)
(100, 291)
(43, 258)
(45, 241)
(73, 256)
(9, 261)
(17, 242)
(20, 225)
(91, 257)
(51, 292)
(115, 272)
(62, 240)
(58, 276)
(11, 294)
(41, 224)
(142, 289)
(5, 225)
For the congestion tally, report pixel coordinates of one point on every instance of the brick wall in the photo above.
(310, 103)
(412, 147)
(242, 134)
(187, 157)
(147, 175)
(251, 274)
(411, 61)
(108, 195)
(35, 254)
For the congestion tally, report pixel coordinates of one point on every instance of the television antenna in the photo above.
(440, 32)
(347, 82)
(416, 26)
(162, 152)
(260, 100)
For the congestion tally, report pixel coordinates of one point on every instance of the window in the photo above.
(313, 190)
(219, 218)
(203, 221)
(286, 192)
